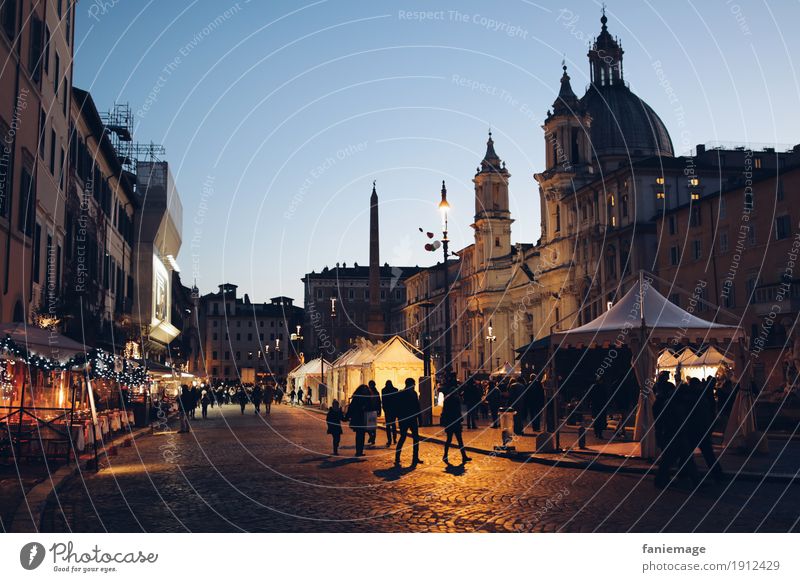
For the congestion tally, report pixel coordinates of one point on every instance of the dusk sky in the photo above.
(277, 116)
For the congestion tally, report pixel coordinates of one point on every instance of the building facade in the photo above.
(245, 341)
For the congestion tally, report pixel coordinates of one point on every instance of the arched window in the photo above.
(558, 219)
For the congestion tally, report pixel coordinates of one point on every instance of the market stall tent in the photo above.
(641, 319)
(308, 376)
(394, 360)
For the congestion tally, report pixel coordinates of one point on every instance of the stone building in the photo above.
(737, 246)
(247, 342)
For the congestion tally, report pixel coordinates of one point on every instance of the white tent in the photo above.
(308, 376)
(393, 360)
(507, 370)
(347, 372)
(641, 318)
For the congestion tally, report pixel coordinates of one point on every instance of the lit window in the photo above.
(694, 181)
(659, 195)
(695, 196)
(660, 180)
(758, 163)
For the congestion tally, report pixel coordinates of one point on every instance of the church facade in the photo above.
(610, 179)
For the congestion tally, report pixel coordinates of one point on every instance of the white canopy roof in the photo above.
(310, 368)
(42, 342)
(396, 351)
(644, 307)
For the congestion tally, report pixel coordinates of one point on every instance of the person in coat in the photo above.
(408, 412)
(701, 422)
(300, 396)
(472, 400)
(269, 396)
(241, 396)
(256, 397)
(535, 402)
(373, 410)
(185, 404)
(334, 420)
(670, 411)
(356, 416)
(494, 399)
(598, 400)
(451, 419)
(389, 395)
(517, 398)
(205, 400)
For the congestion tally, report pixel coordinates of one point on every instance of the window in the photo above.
(783, 227)
(694, 216)
(227, 356)
(558, 219)
(625, 205)
(751, 236)
(35, 52)
(697, 249)
(674, 255)
(750, 286)
(214, 371)
(757, 163)
(53, 152)
(695, 196)
(5, 163)
(723, 208)
(728, 294)
(238, 356)
(37, 252)
(27, 197)
(779, 190)
(497, 241)
(57, 76)
(672, 227)
(660, 196)
(249, 337)
(238, 337)
(46, 56)
(214, 336)
(694, 181)
(216, 323)
(9, 17)
(660, 180)
(214, 355)
(723, 242)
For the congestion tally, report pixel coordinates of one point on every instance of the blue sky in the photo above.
(277, 116)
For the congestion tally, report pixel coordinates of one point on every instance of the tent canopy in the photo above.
(645, 308)
(396, 351)
(42, 342)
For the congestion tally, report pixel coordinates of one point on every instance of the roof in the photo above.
(644, 307)
(623, 124)
(361, 272)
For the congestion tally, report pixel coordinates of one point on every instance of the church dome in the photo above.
(623, 124)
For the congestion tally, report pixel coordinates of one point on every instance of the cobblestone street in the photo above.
(246, 473)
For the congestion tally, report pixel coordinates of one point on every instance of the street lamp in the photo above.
(444, 208)
(491, 338)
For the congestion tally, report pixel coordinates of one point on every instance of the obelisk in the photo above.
(376, 324)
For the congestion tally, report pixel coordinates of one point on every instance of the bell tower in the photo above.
(569, 154)
(492, 215)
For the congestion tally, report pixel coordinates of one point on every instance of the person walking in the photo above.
(300, 396)
(195, 401)
(241, 395)
(701, 422)
(494, 398)
(373, 411)
(670, 413)
(256, 397)
(205, 400)
(185, 402)
(356, 416)
(389, 395)
(472, 400)
(535, 402)
(334, 420)
(451, 421)
(292, 396)
(517, 396)
(408, 412)
(269, 396)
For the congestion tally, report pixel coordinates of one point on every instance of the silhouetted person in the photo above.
(408, 413)
(300, 396)
(494, 399)
(670, 412)
(205, 400)
(389, 395)
(701, 421)
(241, 395)
(598, 401)
(517, 397)
(451, 421)
(334, 420)
(373, 410)
(356, 415)
(185, 403)
(472, 399)
(535, 397)
(195, 401)
(269, 396)
(256, 397)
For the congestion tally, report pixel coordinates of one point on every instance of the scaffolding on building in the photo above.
(118, 122)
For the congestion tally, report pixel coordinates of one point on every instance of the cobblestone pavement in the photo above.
(246, 473)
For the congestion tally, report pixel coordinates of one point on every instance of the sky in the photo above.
(277, 116)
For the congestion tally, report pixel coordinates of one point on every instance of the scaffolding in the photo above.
(118, 122)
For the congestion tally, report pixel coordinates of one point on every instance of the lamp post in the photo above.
(491, 338)
(444, 208)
